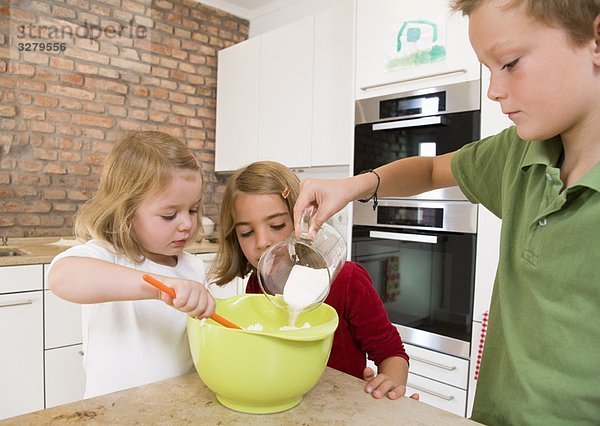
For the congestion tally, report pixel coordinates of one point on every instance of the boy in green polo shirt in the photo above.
(541, 362)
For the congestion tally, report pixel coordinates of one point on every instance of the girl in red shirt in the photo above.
(256, 213)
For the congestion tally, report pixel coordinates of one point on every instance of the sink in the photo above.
(8, 251)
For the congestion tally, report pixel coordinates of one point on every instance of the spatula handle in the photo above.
(165, 288)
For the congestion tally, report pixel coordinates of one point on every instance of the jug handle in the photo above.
(305, 223)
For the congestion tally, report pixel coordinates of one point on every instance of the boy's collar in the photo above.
(548, 152)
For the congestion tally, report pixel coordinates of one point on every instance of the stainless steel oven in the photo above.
(420, 256)
(420, 251)
(424, 122)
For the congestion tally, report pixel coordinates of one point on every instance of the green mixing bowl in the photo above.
(261, 371)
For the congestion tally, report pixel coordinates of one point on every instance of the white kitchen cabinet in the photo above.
(410, 45)
(233, 288)
(21, 339)
(62, 322)
(333, 99)
(64, 374)
(476, 352)
(487, 253)
(285, 101)
(65, 377)
(488, 241)
(441, 380)
(237, 105)
(437, 394)
(293, 88)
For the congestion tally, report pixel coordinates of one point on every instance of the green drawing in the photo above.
(417, 43)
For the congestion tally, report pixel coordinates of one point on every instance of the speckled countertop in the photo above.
(337, 399)
(43, 249)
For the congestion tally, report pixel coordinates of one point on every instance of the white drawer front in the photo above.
(441, 367)
(20, 278)
(438, 394)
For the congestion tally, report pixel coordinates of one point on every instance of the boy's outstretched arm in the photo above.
(401, 178)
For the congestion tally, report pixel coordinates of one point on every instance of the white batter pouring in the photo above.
(304, 287)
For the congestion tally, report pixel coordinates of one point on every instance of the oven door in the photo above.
(425, 280)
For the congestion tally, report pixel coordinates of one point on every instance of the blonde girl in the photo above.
(256, 213)
(144, 213)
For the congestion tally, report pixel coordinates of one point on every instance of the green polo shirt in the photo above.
(541, 360)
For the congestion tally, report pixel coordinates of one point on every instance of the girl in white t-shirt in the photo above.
(142, 216)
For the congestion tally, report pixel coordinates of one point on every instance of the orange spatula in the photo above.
(165, 288)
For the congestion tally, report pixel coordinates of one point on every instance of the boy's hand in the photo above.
(382, 385)
(191, 297)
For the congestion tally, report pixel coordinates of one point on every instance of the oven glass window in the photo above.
(373, 148)
(423, 285)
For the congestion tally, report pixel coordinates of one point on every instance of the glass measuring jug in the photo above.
(296, 273)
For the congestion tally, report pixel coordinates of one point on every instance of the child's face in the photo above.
(260, 222)
(168, 220)
(545, 84)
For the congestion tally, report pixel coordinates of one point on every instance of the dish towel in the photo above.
(392, 278)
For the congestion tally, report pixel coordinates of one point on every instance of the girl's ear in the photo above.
(596, 40)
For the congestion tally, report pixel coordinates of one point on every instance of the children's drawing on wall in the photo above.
(418, 42)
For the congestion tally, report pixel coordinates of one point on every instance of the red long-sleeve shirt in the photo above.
(364, 328)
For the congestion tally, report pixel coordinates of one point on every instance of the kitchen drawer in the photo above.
(437, 366)
(62, 321)
(20, 278)
(437, 394)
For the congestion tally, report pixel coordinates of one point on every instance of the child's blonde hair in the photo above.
(259, 178)
(575, 16)
(138, 167)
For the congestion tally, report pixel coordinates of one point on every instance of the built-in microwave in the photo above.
(420, 251)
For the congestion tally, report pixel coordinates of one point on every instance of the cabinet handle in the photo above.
(406, 80)
(80, 353)
(434, 364)
(6, 305)
(430, 392)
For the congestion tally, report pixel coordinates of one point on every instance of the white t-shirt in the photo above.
(133, 343)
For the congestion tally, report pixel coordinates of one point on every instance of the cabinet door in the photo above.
(410, 45)
(237, 105)
(62, 322)
(285, 105)
(333, 102)
(22, 354)
(65, 378)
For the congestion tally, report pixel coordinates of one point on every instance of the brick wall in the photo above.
(107, 67)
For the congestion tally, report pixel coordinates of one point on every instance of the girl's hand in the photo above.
(191, 297)
(382, 385)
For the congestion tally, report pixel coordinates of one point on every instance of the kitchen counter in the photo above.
(338, 398)
(43, 249)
